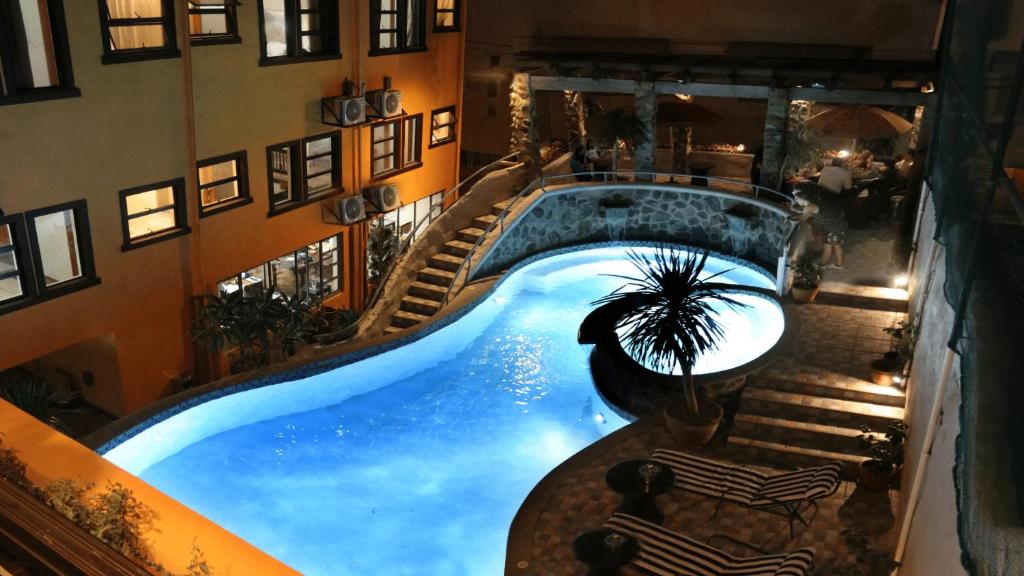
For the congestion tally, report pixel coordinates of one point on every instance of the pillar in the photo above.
(775, 138)
(647, 112)
(524, 113)
(574, 126)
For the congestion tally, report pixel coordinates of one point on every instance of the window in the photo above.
(35, 62)
(446, 15)
(153, 213)
(312, 272)
(396, 146)
(213, 22)
(442, 126)
(223, 183)
(397, 26)
(136, 30)
(11, 280)
(302, 171)
(298, 30)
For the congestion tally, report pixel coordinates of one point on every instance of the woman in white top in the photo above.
(835, 177)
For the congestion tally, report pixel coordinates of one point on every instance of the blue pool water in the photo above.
(414, 461)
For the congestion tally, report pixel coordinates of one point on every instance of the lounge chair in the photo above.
(794, 491)
(663, 552)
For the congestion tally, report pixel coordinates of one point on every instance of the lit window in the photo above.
(396, 146)
(442, 126)
(213, 22)
(312, 272)
(298, 30)
(138, 30)
(446, 15)
(153, 213)
(223, 183)
(397, 26)
(35, 63)
(303, 171)
(10, 269)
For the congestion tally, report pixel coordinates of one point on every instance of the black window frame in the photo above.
(299, 178)
(269, 280)
(293, 12)
(398, 152)
(456, 13)
(180, 208)
(12, 55)
(230, 18)
(118, 56)
(24, 269)
(241, 176)
(400, 32)
(453, 125)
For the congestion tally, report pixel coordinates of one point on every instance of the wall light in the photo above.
(901, 281)
(599, 418)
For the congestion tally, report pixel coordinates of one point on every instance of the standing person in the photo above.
(835, 177)
(826, 213)
(578, 164)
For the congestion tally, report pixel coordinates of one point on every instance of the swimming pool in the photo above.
(414, 461)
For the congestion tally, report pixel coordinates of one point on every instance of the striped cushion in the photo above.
(745, 486)
(666, 553)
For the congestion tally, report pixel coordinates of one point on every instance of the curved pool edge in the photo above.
(327, 359)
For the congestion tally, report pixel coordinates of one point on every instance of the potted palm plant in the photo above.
(609, 128)
(668, 323)
(885, 456)
(806, 279)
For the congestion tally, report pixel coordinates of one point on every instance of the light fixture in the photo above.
(897, 379)
(599, 418)
(817, 85)
(901, 281)
(843, 154)
(741, 148)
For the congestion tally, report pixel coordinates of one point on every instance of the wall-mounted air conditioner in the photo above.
(384, 198)
(386, 102)
(351, 109)
(348, 210)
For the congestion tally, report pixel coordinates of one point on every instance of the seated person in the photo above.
(835, 177)
(579, 165)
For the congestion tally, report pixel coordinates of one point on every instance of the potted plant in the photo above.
(886, 456)
(806, 278)
(382, 247)
(615, 126)
(669, 322)
(867, 561)
(889, 369)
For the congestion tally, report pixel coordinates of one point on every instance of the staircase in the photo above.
(424, 296)
(807, 422)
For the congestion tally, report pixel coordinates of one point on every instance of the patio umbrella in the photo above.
(858, 122)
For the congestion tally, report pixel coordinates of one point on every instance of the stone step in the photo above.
(470, 234)
(483, 222)
(498, 208)
(818, 410)
(389, 330)
(428, 291)
(445, 262)
(761, 452)
(869, 299)
(457, 248)
(403, 319)
(419, 305)
(794, 433)
(435, 276)
(831, 386)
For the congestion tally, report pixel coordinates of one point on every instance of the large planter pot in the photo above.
(871, 479)
(690, 433)
(885, 371)
(805, 295)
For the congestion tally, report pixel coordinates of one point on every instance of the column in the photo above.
(647, 113)
(775, 138)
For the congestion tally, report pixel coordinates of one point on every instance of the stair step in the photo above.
(793, 455)
(818, 410)
(457, 248)
(389, 330)
(470, 234)
(404, 319)
(435, 276)
(445, 262)
(419, 305)
(831, 386)
(863, 302)
(483, 222)
(794, 433)
(428, 291)
(498, 208)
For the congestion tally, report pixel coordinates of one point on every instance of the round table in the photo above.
(592, 548)
(637, 493)
(698, 169)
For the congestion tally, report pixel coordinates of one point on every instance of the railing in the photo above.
(433, 214)
(759, 192)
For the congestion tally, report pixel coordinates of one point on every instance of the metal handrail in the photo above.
(432, 216)
(542, 183)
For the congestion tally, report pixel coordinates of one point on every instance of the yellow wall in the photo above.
(129, 128)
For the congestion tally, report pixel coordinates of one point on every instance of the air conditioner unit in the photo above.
(349, 210)
(387, 103)
(351, 109)
(384, 198)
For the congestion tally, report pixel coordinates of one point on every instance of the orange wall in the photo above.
(129, 128)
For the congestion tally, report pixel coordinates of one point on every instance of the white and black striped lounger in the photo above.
(666, 553)
(794, 491)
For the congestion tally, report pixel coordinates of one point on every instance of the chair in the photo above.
(663, 552)
(794, 491)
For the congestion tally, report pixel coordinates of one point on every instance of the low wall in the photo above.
(573, 214)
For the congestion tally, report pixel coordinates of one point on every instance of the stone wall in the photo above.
(580, 214)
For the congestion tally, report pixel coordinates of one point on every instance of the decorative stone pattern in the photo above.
(647, 112)
(775, 123)
(654, 213)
